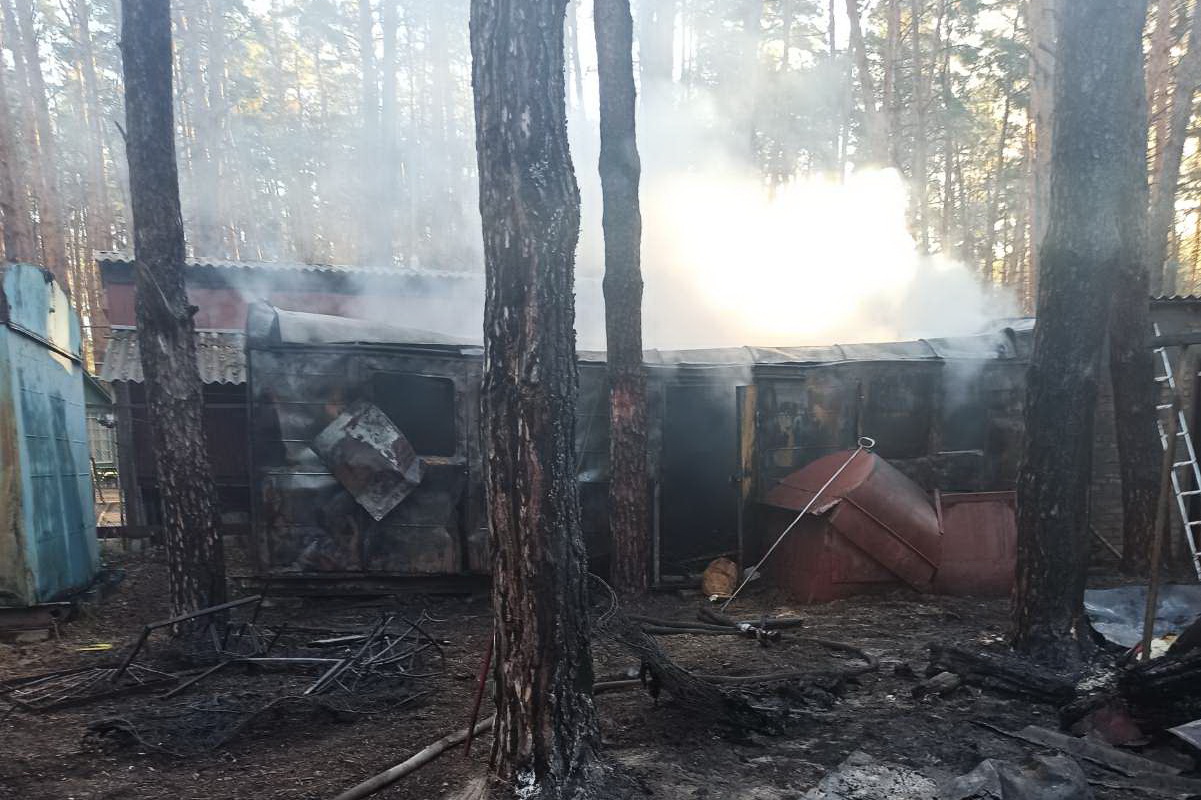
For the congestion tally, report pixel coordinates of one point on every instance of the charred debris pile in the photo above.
(198, 691)
(343, 661)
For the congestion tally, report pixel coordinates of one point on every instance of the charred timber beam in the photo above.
(1002, 673)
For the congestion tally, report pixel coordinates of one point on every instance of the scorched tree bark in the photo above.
(622, 223)
(1097, 186)
(166, 332)
(546, 724)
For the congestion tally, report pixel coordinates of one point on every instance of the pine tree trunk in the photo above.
(19, 244)
(389, 164)
(203, 77)
(369, 144)
(216, 129)
(1098, 176)
(920, 176)
(994, 194)
(1159, 82)
(166, 333)
(100, 212)
(891, 59)
(1042, 20)
(54, 230)
(629, 510)
(39, 141)
(547, 732)
(98, 202)
(877, 150)
(1162, 216)
(656, 36)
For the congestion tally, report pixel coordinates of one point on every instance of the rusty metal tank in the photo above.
(871, 526)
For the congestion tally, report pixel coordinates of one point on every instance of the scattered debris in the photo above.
(1164, 692)
(1103, 755)
(1045, 778)
(942, 684)
(861, 777)
(1189, 732)
(153, 626)
(81, 686)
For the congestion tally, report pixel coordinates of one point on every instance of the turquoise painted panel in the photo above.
(46, 393)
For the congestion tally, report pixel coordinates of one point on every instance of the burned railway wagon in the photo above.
(340, 489)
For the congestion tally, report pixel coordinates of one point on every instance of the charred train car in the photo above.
(725, 426)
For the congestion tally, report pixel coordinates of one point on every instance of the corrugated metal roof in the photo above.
(221, 356)
(279, 266)
(984, 346)
(303, 327)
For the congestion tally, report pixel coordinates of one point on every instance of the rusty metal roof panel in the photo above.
(220, 355)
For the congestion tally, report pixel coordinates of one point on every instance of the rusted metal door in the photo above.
(745, 398)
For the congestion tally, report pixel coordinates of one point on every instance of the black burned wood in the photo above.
(701, 696)
(1002, 673)
(547, 731)
(698, 695)
(166, 330)
(1163, 692)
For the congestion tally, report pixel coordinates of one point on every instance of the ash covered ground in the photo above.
(670, 753)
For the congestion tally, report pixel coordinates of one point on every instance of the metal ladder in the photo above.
(1192, 527)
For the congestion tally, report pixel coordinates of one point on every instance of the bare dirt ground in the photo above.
(668, 752)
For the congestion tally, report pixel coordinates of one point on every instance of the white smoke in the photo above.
(728, 261)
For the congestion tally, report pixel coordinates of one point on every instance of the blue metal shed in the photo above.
(47, 528)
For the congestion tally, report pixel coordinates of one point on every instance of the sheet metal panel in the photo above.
(874, 507)
(48, 522)
(979, 544)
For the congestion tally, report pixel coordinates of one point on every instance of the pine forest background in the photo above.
(340, 131)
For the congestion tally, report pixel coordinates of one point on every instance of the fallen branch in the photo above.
(393, 774)
(448, 742)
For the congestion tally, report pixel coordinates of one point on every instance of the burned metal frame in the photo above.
(191, 615)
